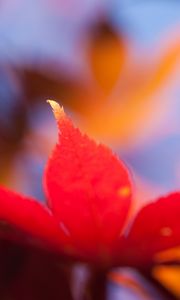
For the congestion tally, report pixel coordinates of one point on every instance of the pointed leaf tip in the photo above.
(58, 110)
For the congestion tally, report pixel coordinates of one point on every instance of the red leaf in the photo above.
(88, 188)
(18, 213)
(155, 228)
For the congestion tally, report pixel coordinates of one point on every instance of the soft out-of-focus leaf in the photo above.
(106, 53)
(120, 119)
(168, 256)
(168, 276)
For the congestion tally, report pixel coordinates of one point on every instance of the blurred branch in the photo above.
(96, 287)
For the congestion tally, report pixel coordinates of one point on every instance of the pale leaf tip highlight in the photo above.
(58, 110)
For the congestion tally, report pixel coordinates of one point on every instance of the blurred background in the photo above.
(114, 66)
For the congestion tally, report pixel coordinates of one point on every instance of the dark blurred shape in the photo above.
(30, 274)
(11, 261)
(40, 85)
